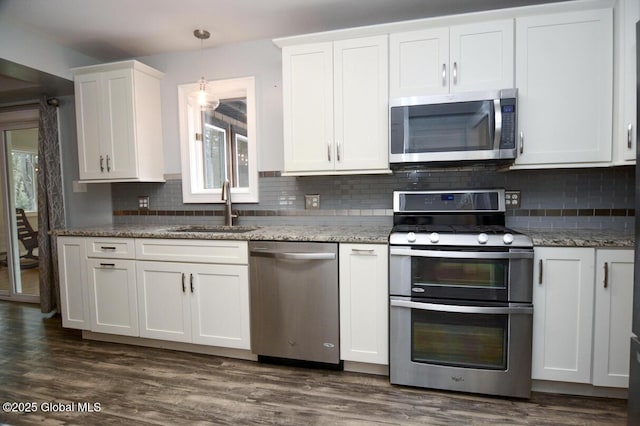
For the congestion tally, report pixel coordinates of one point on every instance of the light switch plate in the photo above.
(312, 202)
(512, 199)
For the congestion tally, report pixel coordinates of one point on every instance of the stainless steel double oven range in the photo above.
(460, 284)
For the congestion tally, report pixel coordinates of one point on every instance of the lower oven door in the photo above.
(483, 348)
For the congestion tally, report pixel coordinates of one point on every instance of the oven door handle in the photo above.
(525, 309)
(462, 254)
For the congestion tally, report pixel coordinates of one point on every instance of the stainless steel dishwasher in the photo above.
(294, 301)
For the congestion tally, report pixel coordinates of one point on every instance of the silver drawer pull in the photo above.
(363, 251)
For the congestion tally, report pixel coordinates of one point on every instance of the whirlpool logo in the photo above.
(457, 379)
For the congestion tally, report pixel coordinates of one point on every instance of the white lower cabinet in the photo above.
(74, 296)
(364, 303)
(612, 327)
(581, 327)
(112, 296)
(206, 304)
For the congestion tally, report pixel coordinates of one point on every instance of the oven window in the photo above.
(478, 273)
(459, 340)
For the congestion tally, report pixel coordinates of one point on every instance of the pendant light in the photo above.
(206, 98)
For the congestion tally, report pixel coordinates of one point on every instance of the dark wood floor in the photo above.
(42, 362)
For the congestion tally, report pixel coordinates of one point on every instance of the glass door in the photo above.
(19, 272)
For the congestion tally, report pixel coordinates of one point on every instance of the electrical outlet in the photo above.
(143, 202)
(512, 199)
(312, 202)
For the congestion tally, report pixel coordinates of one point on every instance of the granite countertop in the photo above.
(581, 238)
(325, 233)
(338, 233)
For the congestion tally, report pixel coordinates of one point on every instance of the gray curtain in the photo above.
(50, 204)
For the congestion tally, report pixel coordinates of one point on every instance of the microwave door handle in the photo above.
(497, 134)
(462, 254)
(461, 309)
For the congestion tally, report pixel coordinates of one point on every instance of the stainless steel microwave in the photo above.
(451, 128)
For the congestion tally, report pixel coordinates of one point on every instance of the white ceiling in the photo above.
(111, 30)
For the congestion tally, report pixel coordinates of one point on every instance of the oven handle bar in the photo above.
(527, 309)
(462, 254)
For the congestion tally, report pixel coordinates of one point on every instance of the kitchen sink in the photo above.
(215, 228)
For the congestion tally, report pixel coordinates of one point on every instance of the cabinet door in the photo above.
(361, 104)
(419, 63)
(164, 300)
(220, 305)
(364, 303)
(563, 314)
(307, 79)
(482, 56)
(119, 148)
(612, 328)
(88, 94)
(112, 296)
(627, 139)
(564, 78)
(74, 297)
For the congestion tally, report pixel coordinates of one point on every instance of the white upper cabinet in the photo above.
(335, 106)
(626, 135)
(119, 122)
(460, 58)
(564, 76)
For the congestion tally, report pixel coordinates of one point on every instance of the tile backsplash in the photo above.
(601, 198)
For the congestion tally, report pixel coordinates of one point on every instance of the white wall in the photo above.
(27, 48)
(261, 59)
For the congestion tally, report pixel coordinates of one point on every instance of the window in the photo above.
(218, 145)
(25, 179)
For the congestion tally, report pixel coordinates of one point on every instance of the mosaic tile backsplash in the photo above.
(550, 199)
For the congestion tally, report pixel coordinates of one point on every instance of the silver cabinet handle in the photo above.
(328, 151)
(108, 165)
(444, 74)
(462, 254)
(101, 164)
(630, 136)
(521, 142)
(527, 309)
(295, 256)
(184, 289)
(365, 252)
(540, 272)
(606, 274)
(338, 150)
(455, 73)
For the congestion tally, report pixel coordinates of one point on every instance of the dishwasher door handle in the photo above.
(295, 256)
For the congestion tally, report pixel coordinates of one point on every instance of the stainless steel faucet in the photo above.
(229, 217)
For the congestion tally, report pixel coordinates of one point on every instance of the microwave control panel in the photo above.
(508, 135)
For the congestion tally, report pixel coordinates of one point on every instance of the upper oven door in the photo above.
(452, 129)
(456, 273)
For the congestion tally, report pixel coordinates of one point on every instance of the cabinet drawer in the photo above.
(111, 248)
(201, 251)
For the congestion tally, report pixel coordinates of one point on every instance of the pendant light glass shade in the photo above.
(207, 100)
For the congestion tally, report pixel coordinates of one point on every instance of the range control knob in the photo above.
(483, 238)
(411, 237)
(507, 238)
(434, 237)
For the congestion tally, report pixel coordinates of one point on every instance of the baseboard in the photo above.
(176, 346)
(363, 367)
(581, 389)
